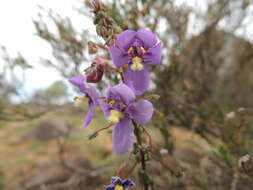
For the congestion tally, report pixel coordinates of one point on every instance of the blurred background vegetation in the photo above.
(202, 129)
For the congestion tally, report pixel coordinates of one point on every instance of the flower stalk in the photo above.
(142, 155)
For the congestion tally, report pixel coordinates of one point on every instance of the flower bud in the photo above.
(98, 30)
(95, 72)
(103, 31)
(100, 61)
(245, 162)
(97, 4)
(92, 47)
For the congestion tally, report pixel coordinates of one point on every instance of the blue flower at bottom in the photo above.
(119, 184)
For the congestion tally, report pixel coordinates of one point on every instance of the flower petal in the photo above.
(119, 57)
(125, 92)
(127, 183)
(114, 180)
(109, 187)
(153, 55)
(105, 108)
(141, 112)
(117, 181)
(148, 38)
(79, 81)
(125, 39)
(89, 115)
(122, 136)
(138, 81)
(121, 92)
(93, 94)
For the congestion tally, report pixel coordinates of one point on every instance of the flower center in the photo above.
(136, 50)
(114, 116)
(111, 103)
(136, 64)
(118, 187)
(79, 100)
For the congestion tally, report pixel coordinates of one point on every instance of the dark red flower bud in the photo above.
(95, 72)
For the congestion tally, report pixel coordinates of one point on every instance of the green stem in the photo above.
(142, 154)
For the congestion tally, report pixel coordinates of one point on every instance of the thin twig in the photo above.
(95, 134)
(142, 154)
(149, 136)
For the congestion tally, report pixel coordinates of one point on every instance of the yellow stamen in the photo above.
(79, 100)
(114, 116)
(137, 66)
(143, 50)
(129, 50)
(111, 103)
(118, 187)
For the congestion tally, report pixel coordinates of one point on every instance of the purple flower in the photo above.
(119, 184)
(136, 49)
(120, 108)
(90, 93)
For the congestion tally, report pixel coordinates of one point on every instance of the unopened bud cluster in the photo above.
(105, 26)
